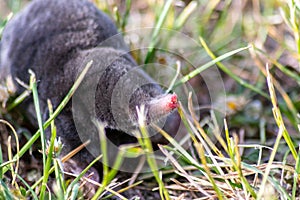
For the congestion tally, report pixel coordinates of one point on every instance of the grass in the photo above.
(250, 153)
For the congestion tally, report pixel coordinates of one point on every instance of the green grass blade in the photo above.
(108, 175)
(19, 99)
(146, 143)
(34, 196)
(157, 28)
(75, 192)
(126, 15)
(59, 180)
(185, 14)
(33, 86)
(4, 22)
(278, 117)
(7, 193)
(105, 163)
(229, 73)
(111, 174)
(296, 177)
(208, 65)
(49, 155)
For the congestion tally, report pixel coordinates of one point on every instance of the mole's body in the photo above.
(56, 39)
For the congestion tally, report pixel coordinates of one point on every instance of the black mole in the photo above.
(56, 39)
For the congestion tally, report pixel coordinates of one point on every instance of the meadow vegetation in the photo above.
(236, 66)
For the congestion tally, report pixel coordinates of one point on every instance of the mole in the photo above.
(56, 39)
